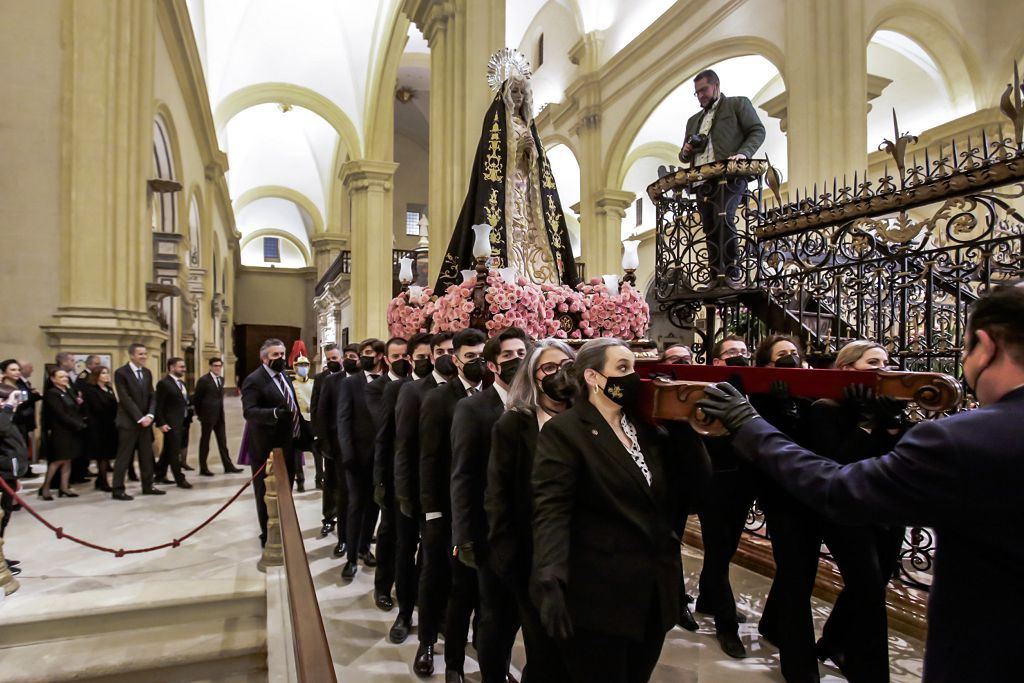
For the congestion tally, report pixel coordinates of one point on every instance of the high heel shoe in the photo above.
(45, 495)
(66, 494)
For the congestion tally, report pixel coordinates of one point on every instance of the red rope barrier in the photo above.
(121, 552)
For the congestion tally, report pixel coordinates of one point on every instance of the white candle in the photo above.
(482, 244)
(630, 257)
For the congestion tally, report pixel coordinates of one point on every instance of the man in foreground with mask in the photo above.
(961, 475)
(271, 412)
(471, 447)
(323, 428)
(303, 385)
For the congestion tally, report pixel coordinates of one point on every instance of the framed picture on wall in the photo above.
(105, 361)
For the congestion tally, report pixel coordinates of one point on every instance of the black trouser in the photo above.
(499, 622)
(170, 455)
(384, 575)
(318, 463)
(435, 577)
(717, 203)
(186, 429)
(407, 563)
(335, 494)
(259, 484)
(217, 429)
(544, 663)
(594, 656)
(130, 440)
(723, 515)
(362, 511)
(463, 600)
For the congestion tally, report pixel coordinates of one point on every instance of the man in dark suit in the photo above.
(471, 447)
(173, 413)
(443, 575)
(271, 412)
(961, 475)
(326, 476)
(408, 520)
(728, 128)
(355, 437)
(136, 405)
(380, 399)
(335, 487)
(208, 401)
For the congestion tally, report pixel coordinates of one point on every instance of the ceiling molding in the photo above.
(282, 192)
(274, 232)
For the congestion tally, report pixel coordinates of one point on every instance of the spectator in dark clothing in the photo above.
(15, 376)
(13, 456)
(64, 425)
(100, 405)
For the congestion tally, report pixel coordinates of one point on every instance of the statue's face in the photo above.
(516, 94)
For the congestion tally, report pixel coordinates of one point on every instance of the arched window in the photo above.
(165, 207)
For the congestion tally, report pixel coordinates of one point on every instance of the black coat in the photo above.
(962, 476)
(208, 401)
(837, 433)
(436, 416)
(13, 452)
(356, 432)
(135, 399)
(172, 407)
(101, 431)
(25, 415)
(600, 530)
(384, 444)
(64, 422)
(407, 440)
(471, 448)
(265, 410)
(314, 404)
(508, 498)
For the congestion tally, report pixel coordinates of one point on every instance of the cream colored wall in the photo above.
(30, 70)
(410, 186)
(265, 296)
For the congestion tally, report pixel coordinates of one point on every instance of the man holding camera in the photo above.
(725, 128)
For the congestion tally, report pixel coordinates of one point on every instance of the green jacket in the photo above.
(735, 130)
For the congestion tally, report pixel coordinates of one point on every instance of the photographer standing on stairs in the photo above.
(724, 128)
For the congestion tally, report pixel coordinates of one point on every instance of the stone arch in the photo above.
(274, 232)
(282, 192)
(673, 73)
(665, 151)
(289, 93)
(380, 124)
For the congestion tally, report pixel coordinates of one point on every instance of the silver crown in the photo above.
(503, 64)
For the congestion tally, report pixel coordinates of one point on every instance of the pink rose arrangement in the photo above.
(409, 315)
(452, 311)
(518, 304)
(564, 308)
(625, 315)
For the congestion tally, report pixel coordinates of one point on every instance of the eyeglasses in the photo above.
(698, 91)
(733, 353)
(553, 367)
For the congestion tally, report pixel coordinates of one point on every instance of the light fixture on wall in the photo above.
(404, 94)
(284, 107)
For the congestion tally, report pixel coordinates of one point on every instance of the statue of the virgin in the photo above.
(512, 189)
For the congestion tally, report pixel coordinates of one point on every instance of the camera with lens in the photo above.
(698, 142)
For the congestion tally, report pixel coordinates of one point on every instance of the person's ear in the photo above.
(984, 346)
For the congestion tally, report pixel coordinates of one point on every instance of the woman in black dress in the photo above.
(64, 424)
(101, 433)
(543, 387)
(607, 524)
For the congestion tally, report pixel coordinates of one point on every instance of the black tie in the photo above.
(138, 373)
(472, 390)
(373, 376)
(216, 380)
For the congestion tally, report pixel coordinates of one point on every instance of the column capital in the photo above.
(362, 174)
(430, 16)
(328, 241)
(614, 202)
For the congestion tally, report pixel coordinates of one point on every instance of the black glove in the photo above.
(283, 412)
(379, 496)
(780, 389)
(724, 403)
(888, 412)
(554, 614)
(466, 555)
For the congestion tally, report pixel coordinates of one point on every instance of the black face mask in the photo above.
(558, 386)
(445, 366)
(277, 365)
(737, 361)
(367, 363)
(350, 365)
(788, 362)
(474, 370)
(423, 367)
(624, 391)
(509, 369)
(333, 366)
(400, 367)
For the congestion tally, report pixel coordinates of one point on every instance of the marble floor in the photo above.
(225, 553)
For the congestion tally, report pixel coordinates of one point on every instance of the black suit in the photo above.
(442, 576)
(961, 475)
(208, 399)
(314, 400)
(135, 400)
(271, 425)
(471, 448)
(384, 487)
(610, 539)
(356, 436)
(335, 498)
(173, 410)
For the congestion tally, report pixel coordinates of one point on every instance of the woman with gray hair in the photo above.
(607, 524)
(543, 388)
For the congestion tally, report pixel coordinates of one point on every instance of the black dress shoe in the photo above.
(326, 529)
(423, 665)
(205, 473)
(61, 493)
(368, 559)
(102, 485)
(183, 484)
(188, 468)
(348, 572)
(686, 619)
(339, 550)
(824, 651)
(453, 676)
(162, 480)
(399, 630)
(731, 645)
(383, 602)
(300, 486)
(234, 470)
(121, 495)
(153, 492)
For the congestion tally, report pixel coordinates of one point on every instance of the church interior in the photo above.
(198, 176)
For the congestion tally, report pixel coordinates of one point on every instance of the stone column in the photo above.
(602, 241)
(462, 35)
(369, 185)
(106, 131)
(826, 81)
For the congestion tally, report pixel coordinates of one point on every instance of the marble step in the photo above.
(219, 649)
(47, 618)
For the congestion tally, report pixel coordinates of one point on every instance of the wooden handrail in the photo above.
(312, 653)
